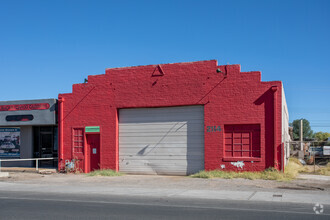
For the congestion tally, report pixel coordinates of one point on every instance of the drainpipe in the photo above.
(282, 157)
(60, 124)
(274, 89)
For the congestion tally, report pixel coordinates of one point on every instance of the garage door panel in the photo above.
(160, 154)
(160, 151)
(157, 140)
(159, 134)
(161, 140)
(164, 119)
(177, 159)
(170, 113)
(160, 125)
(154, 167)
(160, 145)
(165, 169)
(164, 125)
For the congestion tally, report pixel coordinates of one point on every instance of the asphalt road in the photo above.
(38, 205)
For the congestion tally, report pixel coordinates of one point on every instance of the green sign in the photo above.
(92, 129)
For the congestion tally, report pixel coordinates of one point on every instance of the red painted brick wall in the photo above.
(229, 97)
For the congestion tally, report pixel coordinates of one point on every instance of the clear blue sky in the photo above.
(46, 46)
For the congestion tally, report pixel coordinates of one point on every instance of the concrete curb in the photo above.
(314, 177)
(4, 174)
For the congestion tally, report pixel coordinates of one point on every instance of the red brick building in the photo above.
(173, 119)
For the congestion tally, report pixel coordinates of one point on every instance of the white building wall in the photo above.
(285, 128)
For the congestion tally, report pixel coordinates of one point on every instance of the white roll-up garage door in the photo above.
(166, 141)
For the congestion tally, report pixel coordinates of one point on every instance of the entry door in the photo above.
(93, 143)
(46, 149)
(46, 144)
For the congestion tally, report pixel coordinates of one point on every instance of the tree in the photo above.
(321, 136)
(307, 131)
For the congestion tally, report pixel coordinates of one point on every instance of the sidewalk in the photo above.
(298, 191)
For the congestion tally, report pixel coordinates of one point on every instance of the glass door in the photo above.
(45, 146)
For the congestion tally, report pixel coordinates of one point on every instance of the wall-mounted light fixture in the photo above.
(224, 73)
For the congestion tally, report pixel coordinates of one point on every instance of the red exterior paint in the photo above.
(230, 97)
(60, 133)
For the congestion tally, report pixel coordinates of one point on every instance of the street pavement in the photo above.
(34, 196)
(37, 205)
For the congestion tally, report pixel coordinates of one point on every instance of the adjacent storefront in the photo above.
(28, 129)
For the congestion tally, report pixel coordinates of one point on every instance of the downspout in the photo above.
(274, 89)
(282, 157)
(60, 124)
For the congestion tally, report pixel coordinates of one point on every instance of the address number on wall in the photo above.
(213, 128)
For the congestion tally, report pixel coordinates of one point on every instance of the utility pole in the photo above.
(301, 135)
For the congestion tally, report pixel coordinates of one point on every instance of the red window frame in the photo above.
(242, 142)
(78, 142)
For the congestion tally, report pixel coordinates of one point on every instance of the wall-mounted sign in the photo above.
(92, 129)
(213, 128)
(10, 142)
(25, 107)
(326, 150)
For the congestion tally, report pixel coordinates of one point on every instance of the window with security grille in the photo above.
(242, 141)
(78, 140)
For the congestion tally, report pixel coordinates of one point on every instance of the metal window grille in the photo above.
(78, 140)
(242, 141)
